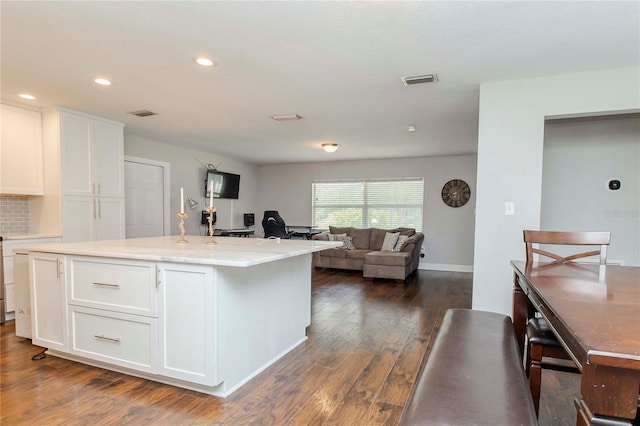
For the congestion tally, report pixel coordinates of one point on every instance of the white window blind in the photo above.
(383, 204)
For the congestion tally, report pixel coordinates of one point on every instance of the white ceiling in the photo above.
(338, 64)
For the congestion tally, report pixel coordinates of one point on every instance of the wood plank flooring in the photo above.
(366, 343)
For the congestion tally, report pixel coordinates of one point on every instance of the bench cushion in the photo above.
(473, 375)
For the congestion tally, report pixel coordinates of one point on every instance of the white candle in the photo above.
(211, 194)
(181, 200)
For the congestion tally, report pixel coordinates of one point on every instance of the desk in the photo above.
(233, 232)
(303, 231)
(595, 313)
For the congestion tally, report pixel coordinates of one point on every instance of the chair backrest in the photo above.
(273, 224)
(601, 239)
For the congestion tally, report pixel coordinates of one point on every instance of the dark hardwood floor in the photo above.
(366, 343)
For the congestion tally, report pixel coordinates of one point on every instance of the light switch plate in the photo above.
(509, 208)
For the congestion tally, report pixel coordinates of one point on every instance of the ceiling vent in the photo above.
(143, 113)
(419, 79)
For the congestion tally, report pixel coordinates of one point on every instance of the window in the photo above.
(376, 203)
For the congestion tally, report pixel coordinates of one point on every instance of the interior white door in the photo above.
(144, 199)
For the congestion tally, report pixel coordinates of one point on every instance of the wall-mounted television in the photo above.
(225, 185)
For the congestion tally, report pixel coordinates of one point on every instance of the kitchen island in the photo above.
(198, 316)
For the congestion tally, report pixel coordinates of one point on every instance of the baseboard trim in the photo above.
(445, 267)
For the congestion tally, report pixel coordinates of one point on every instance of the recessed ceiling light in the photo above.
(286, 117)
(330, 147)
(419, 79)
(411, 129)
(27, 96)
(102, 81)
(205, 62)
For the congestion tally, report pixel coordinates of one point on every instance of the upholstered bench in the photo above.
(473, 375)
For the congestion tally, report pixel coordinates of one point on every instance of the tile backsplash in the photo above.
(14, 214)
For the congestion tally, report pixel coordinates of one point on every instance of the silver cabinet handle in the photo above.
(93, 188)
(95, 209)
(99, 207)
(158, 282)
(107, 285)
(59, 268)
(98, 188)
(108, 339)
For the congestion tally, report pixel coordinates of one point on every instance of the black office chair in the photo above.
(273, 225)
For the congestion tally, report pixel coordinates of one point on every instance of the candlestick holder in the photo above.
(211, 211)
(182, 217)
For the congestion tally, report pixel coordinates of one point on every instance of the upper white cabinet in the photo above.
(84, 176)
(21, 151)
(92, 156)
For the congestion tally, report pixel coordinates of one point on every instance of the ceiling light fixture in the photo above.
(419, 79)
(330, 147)
(102, 81)
(291, 117)
(205, 62)
(27, 96)
(411, 129)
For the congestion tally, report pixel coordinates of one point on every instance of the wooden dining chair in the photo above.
(543, 348)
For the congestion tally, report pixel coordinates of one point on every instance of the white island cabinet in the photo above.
(203, 317)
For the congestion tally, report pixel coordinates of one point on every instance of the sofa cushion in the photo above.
(377, 238)
(342, 230)
(357, 254)
(390, 240)
(360, 237)
(411, 240)
(404, 231)
(387, 258)
(334, 252)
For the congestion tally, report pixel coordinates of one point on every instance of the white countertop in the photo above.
(228, 251)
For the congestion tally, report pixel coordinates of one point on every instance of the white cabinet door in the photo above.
(48, 301)
(187, 315)
(92, 156)
(78, 218)
(110, 222)
(75, 154)
(21, 151)
(107, 159)
(92, 218)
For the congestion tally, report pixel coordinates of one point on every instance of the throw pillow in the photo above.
(390, 241)
(348, 243)
(336, 237)
(401, 240)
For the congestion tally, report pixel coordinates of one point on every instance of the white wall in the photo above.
(510, 147)
(579, 158)
(187, 172)
(448, 231)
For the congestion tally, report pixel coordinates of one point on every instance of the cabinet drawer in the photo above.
(113, 284)
(120, 339)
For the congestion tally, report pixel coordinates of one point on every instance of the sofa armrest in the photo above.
(323, 236)
(413, 245)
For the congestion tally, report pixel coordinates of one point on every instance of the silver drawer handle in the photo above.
(108, 339)
(107, 285)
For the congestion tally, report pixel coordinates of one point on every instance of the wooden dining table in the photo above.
(595, 313)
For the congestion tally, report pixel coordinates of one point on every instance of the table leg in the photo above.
(520, 313)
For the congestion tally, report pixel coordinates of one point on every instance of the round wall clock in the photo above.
(456, 193)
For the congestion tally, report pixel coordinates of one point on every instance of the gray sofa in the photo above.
(367, 255)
